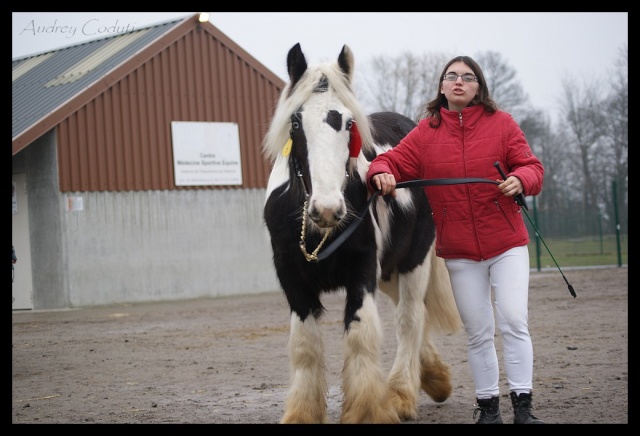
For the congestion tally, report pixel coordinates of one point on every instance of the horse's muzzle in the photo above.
(327, 217)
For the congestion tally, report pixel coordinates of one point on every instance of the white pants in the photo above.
(508, 275)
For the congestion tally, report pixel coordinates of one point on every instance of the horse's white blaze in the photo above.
(328, 154)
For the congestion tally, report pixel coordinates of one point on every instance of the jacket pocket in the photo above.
(505, 214)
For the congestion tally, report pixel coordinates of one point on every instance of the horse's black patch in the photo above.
(334, 119)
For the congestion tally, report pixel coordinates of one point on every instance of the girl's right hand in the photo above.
(385, 183)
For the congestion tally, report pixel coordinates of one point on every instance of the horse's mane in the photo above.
(292, 98)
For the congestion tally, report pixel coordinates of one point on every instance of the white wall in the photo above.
(165, 245)
(22, 286)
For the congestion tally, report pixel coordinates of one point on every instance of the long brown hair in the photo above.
(432, 107)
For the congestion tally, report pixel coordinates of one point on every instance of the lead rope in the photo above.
(313, 257)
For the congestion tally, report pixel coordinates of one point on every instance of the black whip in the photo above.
(521, 201)
(434, 182)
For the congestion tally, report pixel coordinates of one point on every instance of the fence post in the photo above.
(615, 209)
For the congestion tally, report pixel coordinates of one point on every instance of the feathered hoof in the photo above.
(406, 405)
(304, 418)
(437, 383)
(375, 415)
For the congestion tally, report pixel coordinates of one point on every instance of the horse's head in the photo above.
(318, 129)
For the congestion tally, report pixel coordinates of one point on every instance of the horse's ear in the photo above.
(296, 63)
(345, 61)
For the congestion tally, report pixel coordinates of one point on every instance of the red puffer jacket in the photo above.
(473, 221)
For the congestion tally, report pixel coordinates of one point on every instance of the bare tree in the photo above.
(551, 149)
(502, 82)
(586, 120)
(617, 128)
(403, 83)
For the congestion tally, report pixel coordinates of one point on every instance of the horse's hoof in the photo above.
(299, 417)
(373, 417)
(437, 384)
(405, 404)
(287, 419)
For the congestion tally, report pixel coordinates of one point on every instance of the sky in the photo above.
(544, 48)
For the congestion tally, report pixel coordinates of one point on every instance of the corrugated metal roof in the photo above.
(24, 67)
(33, 99)
(112, 102)
(97, 58)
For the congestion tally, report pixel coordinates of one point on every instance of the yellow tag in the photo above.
(287, 148)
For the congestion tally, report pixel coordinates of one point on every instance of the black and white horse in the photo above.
(320, 144)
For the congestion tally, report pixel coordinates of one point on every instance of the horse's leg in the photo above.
(435, 375)
(366, 399)
(441, 311)
(306, 401)
(404, 377)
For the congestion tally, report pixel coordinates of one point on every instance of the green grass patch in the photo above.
(584, 251)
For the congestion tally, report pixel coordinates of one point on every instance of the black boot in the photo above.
(489, 411)
(522, 409)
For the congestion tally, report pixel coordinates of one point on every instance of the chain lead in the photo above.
(313, 257)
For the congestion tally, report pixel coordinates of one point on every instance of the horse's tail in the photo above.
(441, 306)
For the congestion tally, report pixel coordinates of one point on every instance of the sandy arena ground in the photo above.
(224, 360)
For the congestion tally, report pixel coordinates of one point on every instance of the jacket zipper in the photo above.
(464, 162)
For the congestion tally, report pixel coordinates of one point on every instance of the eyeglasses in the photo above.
(452, 77)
